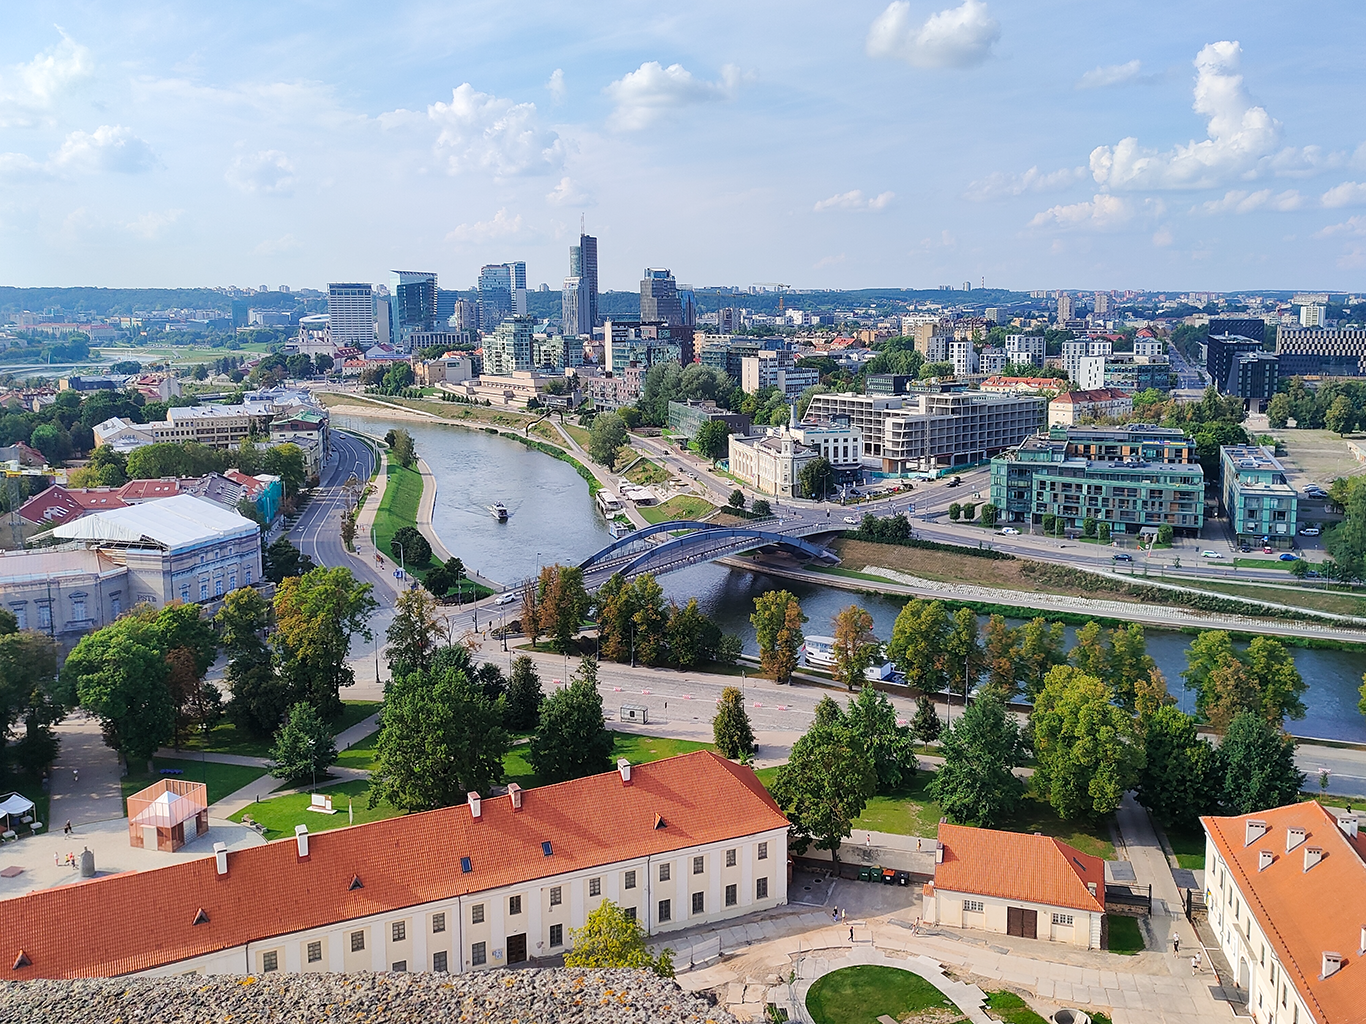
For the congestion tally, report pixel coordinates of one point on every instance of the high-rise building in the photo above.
(517, 272)
(351, 315)
(659, 297)
(575, 308)
(1103, 303)
(1311, 315)
(1066, 308)
(508, 348)
(583, 264)
(495, 295)
(413, 305)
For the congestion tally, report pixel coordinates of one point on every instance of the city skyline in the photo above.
(1185, 149)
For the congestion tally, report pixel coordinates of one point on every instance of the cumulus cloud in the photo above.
(855, 201)
(1351, 226)
(108, 148)
(555, 86)
(1000, 185)
(1349, 193)
(1241, 135)
(29, 91)
(1113, 74)
(267, 171)
(480, 131)
(959, 37)
(1242, 201)
(568, 193)
(501, 226)
(652, 91)
(1163, 237)
(153, 225)
(1100, 213)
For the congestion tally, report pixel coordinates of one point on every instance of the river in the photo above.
(553, 519)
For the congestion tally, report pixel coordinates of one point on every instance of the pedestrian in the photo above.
(67, 830)
(868, 839)
(1195, 964)
(1176, 943)
(851, 934)
(835, 915)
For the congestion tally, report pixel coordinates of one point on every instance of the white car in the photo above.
(1210, 554)
(1010, 531)
(1310, 531)
(851, 520)
(505, 599)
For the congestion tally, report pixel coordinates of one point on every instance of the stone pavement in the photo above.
(1140, 846)
(96, 794)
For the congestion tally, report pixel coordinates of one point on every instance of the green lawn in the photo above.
(859, 995)
(646, 473)
(578, 434)
(280, 814)
(227, 738)
(1009, 1007)
(361, 755)
(1189, 847)
(681, 506)
(221, 779)
(1125, 936)
(636, 749)
(398, 508)
(1262, 563)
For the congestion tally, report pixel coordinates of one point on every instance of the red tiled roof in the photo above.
(139, 920)
(1086, 397)
(1017, 866)
(146, 490)
(1304, 913)
(60, 504)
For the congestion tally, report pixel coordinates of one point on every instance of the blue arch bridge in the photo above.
(665, 547)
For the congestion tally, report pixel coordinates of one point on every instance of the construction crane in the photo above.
(774, 284)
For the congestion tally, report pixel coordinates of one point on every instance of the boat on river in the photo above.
(499, 511)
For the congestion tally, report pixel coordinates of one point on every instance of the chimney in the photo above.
(1332, 963)
(301, 837)
(1264, 859)
(624, 766)
(1255, 830)
(515, 792)
(1293, 838)
(1312, 855)
(220, 852)
(939, 853)
(473, 800)
(1347, 821)
(1362, 950)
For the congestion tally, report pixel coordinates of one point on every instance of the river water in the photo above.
(553, 519)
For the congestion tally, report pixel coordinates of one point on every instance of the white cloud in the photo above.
(268, 171)
(275, 246)
(501, 226)
(29, 90)
(1162, 237)
(20, 167)
(1242, 201)
(153, 224)
(959, 37)
(1241, 135)
(480, 131)
(1349, 193)
(653, 91)
(1100, 213)
(1351, 226)
(855, 201)
(568, 193)
(107, 148)
(1000, 185)
(1113, 74)
(555, 86)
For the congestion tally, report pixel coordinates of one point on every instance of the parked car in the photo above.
(1210, 554)
(1289, 556)
(1245, 548)
(1122, 556)
(1010, 531)
(1313, 574)
(1310, 531)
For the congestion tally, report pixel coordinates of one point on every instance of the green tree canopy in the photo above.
(409, 547)
(609, 938)
(413, 634)
(976, 784)
(873, 718)
(730, 729)
(259, 695)
(304, 747)
(562, 603)
(316, 615)
(571, 740)
(1181, 779)
(524, 695)
(712, 440)
(606, 437)
(824, 787)
(855, 645)
(118, 674)
(918, 646)
(777, 622)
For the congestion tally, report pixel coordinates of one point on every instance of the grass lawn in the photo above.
(681, 506)
(1009, 1007)
(280, 814)
(547, 432)
(907, 811)
(1313, 598)
(635, 748)
(578, 434)
(227, 738)
(221, 779)
(398, 508)
(1125, 936)
(859, 995)
(360, 755)
(646, 472)
(1189, 847)
(1262, 563)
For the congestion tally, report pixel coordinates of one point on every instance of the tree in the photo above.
(1164, 534)
(348, 528)
(1001, 653)
(712, 440)
(926, 724)
(282, 559)
(1278, 413)
(413, 634)
(1127, 663)
(1180, 780)
(1258, 763)
(28, 693)
(287, 462)
(1041, 647)
(824, 787)
(730, 729)
(524, 695)
(976, 785)
(401, 447)
(304, 747)
(259, 695)
(1103, 533)
(969, 510)
(609, 938)
(1340, 418)
(1088, 526)
(571, 741)
(1262, 678)
(1088, 750)
(649, 620)
(917, 647)
(409, 547)
(736, 499)
(531, 615)
(693, 638)
(777, 622)
(398, 377)
(872, 717)
(441, 738)
(855, 645)
(817, 478)
(316, 615)
(118, 674)
(760, 507)
(1346, 542)
(605, 439)
(955, 511)
(963, 655)
(561, 604)
(989, 513)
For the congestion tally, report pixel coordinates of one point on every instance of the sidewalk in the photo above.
(600, 474)
(97, 795)
(1143, 850)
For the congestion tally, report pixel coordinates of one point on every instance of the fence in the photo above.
(1135, 898)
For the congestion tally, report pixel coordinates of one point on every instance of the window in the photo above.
(248, 576)
(232, 580)
(664, 872)
(115, 605)
(218, 587)
(630, 882)
(478, 955)
(203, 590)
(270, 961)
(185, 592)
(665, 911)
(972, 906)
(556, 896)
(557, 935)
(466, 865)
(514, 905)
(698, 902)
(357, 941)
(438, 923)
(399, 931)
(1062, 919)
(630, 913)
(730, 858)
(595, 887)
(78, 608)
(477, 914)
(44, 616)
(698, 865)
(439, 961)
(315, 952)
(761, 888)
(763, 851)
(399, 966)
(732, 896)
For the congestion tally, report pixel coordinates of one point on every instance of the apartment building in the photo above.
(837, 440)
(1072, 407)
(1262, 506)
(1025, 348)
(1286, 892)
(771, 463)
(645, 344)
(776, 370)
(497, 881)
(1073, 352)
(963, 355)
(507, 349)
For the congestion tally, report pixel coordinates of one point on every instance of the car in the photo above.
(1313, 574)
(1310, 531)
(1210, 554)
(1010, 531)
(1289, 556)
(1245, 548)
(1266, 550)
(1122, 556)
(505, 599)
(851, 520)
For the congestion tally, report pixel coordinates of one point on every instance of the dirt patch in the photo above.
(1319, 456)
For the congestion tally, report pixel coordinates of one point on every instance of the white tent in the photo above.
(15, 804)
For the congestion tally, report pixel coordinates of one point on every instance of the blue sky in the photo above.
(1061, 143)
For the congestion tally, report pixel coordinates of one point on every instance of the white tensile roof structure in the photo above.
(174, 523)
(167, 811)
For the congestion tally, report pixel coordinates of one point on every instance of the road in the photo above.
(317, 533)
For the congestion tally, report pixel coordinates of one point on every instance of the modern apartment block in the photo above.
(646, 343)
(412, 305)
(1322, 351)
(963, 355)
(351, 315)
(776, 370)
(1131, 477)
(555, 353)
(727, 354)
(659, 297)
(508, 348)
(1262, 506)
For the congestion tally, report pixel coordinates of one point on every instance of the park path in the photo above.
(96, 795)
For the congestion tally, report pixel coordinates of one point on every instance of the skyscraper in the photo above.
(413, 303)
(508, 348)
(495, 295)
(575, 310)
(1065, 307)
(351, 315)
(659, 297)
(583, 264)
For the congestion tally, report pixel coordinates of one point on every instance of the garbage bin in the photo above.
(888, 876)
(864, 875)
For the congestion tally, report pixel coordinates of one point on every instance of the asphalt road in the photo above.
(317, 533)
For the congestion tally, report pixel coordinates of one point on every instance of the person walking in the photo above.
(67, 830)
(851, 934)
(1176, 943)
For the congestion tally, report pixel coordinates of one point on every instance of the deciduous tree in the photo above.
(315, 617)
(571, 740)
(918, 645)
(606, 438)
(1180, 780)
(872, 717)
(855, 645)
(1258, 762)
(259, 695)
(610, 939)
(777, 622)
(712, 440)
(730, 729)
(976, 785)
(414, 633)
(304, 747)
(824, 787)
(926, 724)
(561, 604)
